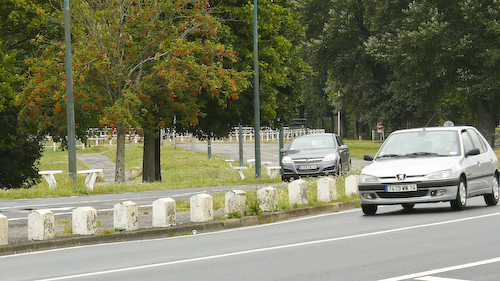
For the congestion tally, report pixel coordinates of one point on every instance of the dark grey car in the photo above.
(315, 155)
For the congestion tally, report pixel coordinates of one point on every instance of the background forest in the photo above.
(188, 64)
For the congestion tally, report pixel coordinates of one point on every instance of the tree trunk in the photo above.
(151, 170)
(120, 154)
(487, 120)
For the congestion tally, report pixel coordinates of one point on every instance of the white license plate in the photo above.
(401, 188)
(307, 167)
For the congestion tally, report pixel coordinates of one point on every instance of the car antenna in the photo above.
(430, 120)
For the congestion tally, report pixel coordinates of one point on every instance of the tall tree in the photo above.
(281, 67)
(136, 64)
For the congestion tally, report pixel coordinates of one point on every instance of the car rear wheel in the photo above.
(492, 199)
(461, 200)
(369, 210)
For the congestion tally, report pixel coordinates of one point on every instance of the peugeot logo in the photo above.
(401, 177)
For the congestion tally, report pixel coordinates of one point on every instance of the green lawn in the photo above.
(180, 169)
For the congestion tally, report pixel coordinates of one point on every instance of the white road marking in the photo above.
(300, 245)
(441, 270)
(431, 278)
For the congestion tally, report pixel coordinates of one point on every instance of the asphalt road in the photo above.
(430, 243)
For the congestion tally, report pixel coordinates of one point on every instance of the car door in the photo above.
(486, 164)
(343, 151)
(472, 164)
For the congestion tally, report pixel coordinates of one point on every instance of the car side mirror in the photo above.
(344, 147)
(474, 151)
(283, 150)
(368, 157)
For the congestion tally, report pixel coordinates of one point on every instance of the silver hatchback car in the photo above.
(430, 165)
(315, 155)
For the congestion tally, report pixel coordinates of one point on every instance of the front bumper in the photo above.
(427, 192)
(322, 169)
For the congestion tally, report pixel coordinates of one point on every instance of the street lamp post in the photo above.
(70, 104)
(258, 173)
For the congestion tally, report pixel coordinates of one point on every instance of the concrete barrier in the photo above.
(41, 225)
(327, 189)
(235, 202)
(297, 192)
(126, 216)
(84, 221)
(268, 199)
(351, 185)
(4, 230)
(164, 213)
(202, 208)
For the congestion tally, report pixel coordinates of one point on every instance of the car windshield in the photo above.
(421, 143)
(312, 142)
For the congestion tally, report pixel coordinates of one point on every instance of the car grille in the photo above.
(308, 161)
(388, 195)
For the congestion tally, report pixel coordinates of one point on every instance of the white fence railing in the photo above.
(100, 136)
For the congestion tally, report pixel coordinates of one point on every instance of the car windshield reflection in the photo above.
(420, 144)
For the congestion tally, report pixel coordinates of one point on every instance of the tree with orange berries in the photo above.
(136, 64)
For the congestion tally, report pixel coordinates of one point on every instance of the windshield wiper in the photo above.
(423, 153)
(390, 155)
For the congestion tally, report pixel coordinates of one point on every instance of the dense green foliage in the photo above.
(406, 63)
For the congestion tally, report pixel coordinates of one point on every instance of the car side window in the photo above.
(339, 141)
(468, 145)
(476, 141)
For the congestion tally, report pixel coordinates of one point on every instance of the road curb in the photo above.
(185, 229)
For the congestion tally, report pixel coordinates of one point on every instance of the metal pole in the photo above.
(258, 173)
(209, 144)
(240, 143)
(70, 107)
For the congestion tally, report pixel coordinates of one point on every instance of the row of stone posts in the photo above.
(126, 214)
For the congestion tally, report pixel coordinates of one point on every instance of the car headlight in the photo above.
(367, 178)
(439, 175)
(287, 160)
(330, 157)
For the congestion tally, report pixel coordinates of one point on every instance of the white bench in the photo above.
(272, 171)
(251, 162)
(230, 162)
(91, 177)
(49, 177)
(240, 171)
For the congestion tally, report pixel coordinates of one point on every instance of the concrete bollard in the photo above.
(84, 221)
(268, 199)
(4, 230)
(297, 192)
(164, 212)
(351, 185)
(41, 225)
(235, 202)
(126, 216)
(327, 189)
(202, 208)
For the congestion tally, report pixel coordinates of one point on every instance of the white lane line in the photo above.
(441, 270)
(278, 248)
(432, 278)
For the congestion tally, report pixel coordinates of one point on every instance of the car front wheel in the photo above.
(492, 199)
(369, 210)
(461, 200)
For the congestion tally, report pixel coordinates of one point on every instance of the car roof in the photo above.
(450, 128)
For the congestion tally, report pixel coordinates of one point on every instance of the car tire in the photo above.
(408, 207)
(340, 171)
(285, 179)
(369, 210)
(461, 200)
(492, 199)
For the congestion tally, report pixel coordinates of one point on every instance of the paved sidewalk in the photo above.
(99, 161)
